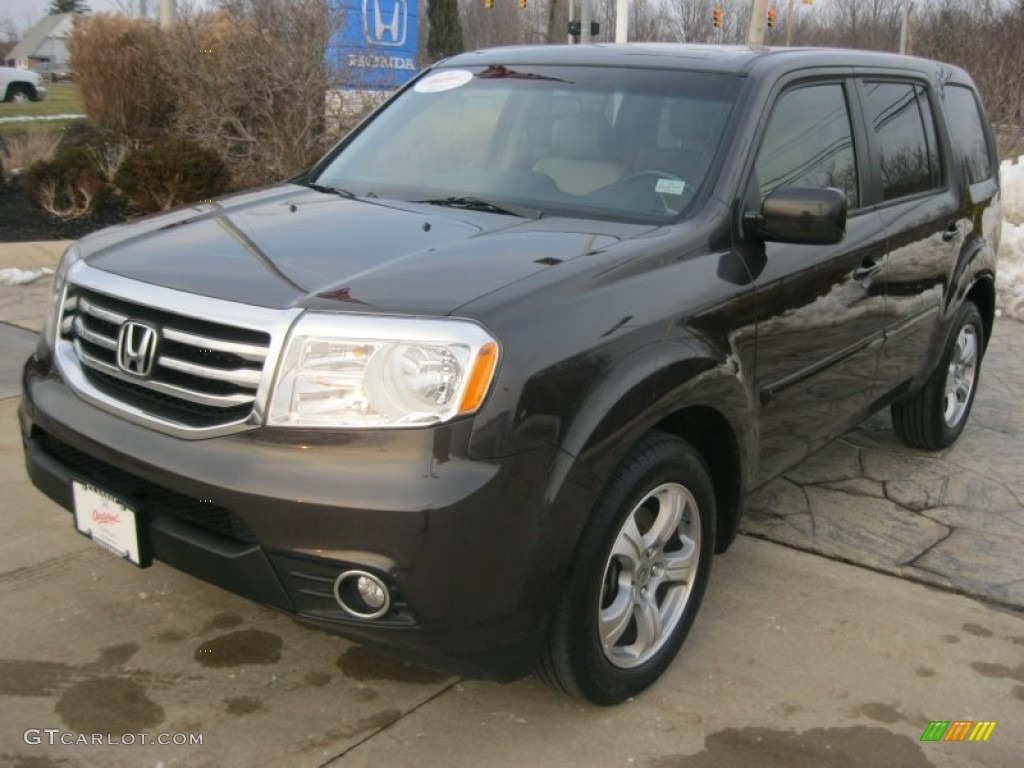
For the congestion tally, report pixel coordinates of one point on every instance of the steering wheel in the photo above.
(665, 201)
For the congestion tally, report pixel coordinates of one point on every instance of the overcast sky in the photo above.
(25, 13)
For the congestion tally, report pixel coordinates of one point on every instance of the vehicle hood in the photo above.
(292, 246)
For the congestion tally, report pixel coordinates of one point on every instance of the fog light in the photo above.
(372, 592)
(362, 594)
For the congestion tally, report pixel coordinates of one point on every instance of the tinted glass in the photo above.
(808, 143)
(620, 144)
(965, 123)
(908, 160)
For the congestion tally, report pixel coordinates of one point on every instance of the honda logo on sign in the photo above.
(136, 348)
(383, 29)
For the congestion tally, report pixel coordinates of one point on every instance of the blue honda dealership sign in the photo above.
(376, 45)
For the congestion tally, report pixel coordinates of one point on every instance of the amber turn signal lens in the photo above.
(480, 378)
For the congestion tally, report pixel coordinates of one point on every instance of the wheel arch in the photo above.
(983, 293)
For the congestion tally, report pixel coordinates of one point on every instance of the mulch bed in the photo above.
(22, 221)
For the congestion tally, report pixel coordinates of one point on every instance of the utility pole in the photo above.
(905, 26)
(790, 23)
(621, 21)
(167, 13)
(758, 18)
(585, 21)
(572, 14)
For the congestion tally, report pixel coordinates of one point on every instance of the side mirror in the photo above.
(802, 215)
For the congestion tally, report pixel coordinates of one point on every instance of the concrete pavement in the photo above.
(795, 660)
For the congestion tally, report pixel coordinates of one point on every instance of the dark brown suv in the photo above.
(488, 384)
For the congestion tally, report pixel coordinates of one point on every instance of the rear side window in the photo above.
(808, 143)
(965, 124)
(901, 120)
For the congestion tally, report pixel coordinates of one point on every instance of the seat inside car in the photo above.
(584, 156)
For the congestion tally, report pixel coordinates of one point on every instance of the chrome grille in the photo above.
(205, 374)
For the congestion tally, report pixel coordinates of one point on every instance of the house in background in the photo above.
(45, 46)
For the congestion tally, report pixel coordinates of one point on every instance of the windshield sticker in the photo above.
(443, 81)
(670, 186)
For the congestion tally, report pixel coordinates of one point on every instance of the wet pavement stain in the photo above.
(977, 630)
(1018, 691)
(33, 678)
(998, 670)
(1015, 639)
(223, 621)
(881, 713)
(24, 677)
(108, 705)
(243, 705)
(116, 655)
(34, 761)
(247, 646)
(372, 723)
(951, 639)
(171, 636)
(833, 747)
(361, 663)
(318, 679)
(925, 672)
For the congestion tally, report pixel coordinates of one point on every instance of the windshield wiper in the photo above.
(479, 204)
(329, 190)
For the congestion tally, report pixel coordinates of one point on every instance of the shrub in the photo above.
(26, 149)
(170, 173)
(120, 68)
(68, 186)
(250, 83)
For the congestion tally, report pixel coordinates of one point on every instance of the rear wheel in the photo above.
(934, 417)
(638, 576)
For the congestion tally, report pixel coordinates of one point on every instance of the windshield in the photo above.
(630, 145)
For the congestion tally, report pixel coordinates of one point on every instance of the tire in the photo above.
(647, 596)
(19, 94)
(934, 417)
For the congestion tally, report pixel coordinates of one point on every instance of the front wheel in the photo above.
(934, 417)
(638, 575)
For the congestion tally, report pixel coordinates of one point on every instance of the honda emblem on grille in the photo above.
(136, 348)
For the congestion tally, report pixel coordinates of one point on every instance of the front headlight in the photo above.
(48, 337)
(360, 371)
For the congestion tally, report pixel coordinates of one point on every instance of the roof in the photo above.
(57, 25)
(730, 59)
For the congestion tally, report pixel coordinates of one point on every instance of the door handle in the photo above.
(952, 233)
(867, 268)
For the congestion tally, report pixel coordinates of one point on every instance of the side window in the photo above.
(968, 133)
(809, 143)
(904, 133)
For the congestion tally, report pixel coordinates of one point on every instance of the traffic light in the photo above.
(716, 18)
(488, 4)
(522, 5)
(771, 18)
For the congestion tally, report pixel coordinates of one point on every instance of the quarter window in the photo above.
(965, 123)
(808, 143)
(904, 131)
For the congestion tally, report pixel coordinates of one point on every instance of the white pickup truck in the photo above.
(21, 85)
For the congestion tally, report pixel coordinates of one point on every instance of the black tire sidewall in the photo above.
(968, 314)
(662, 460)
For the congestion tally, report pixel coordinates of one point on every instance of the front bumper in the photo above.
(275, 515)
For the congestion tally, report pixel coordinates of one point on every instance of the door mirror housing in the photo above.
(802, 215)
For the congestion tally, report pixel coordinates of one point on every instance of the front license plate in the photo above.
(108, 521)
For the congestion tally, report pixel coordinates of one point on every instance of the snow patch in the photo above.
(15, 276)
(1010, 269)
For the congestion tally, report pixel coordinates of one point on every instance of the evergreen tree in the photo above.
(445, 38)
(67, 6)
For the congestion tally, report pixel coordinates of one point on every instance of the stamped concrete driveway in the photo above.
(954, 518)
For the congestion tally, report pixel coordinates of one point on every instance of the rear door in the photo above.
(920, 210)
